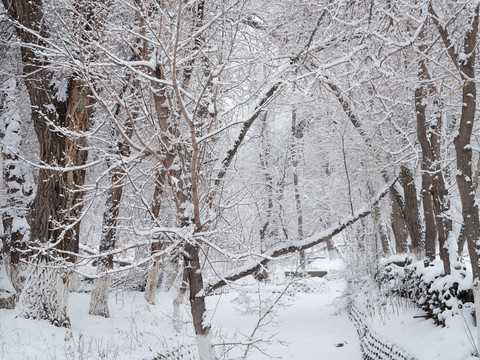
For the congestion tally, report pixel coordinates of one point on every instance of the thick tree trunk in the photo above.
(197, 302)
(45, 295)
(434, 193)
(427, 168)
(99, 296)
(411, 213)
(462, 140)
(57, 204)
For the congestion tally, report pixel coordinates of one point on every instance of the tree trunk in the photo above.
(410, 210)
(382, 231)
(197, 303)
(298, 133)
(99, 297)
(427, 168)
(162, 109)
(434, 192)
(332, 250)
(8, 294)
(153, 275)
(45, 295)
(15, 214)
(462, 141)
(398, 222)
(57, 204)
(265, 231)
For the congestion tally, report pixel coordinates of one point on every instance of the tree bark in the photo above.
(57, 204)
(265, 231)
(298, 132)
(15, 216)
(197, 302)
(99, 296)
(398, 223)
(435, 195)
(462, 142)
(410, 211)
(427, 168)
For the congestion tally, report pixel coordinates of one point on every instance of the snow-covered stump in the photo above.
(99, 297)
(205, 348)
(45, 296)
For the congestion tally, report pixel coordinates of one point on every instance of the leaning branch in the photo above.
(296, 246)
(446, 38)
(348, 110)
(265, 99)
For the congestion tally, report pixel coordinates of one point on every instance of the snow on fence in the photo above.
(440, 296)
(374, 347)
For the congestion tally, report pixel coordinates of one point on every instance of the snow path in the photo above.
(307, 329)
(303, 327)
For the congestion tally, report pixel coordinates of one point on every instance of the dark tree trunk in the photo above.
(57, 204)
(434, 193)
(427, 168)
(398, 223)
(462, 141)
(410, 211)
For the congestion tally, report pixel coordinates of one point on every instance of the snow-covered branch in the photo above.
(294, 246)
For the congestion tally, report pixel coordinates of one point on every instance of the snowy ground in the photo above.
(300, 326)
(307, 328)
(422, 339)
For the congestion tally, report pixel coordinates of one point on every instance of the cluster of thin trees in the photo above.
(230, 129)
